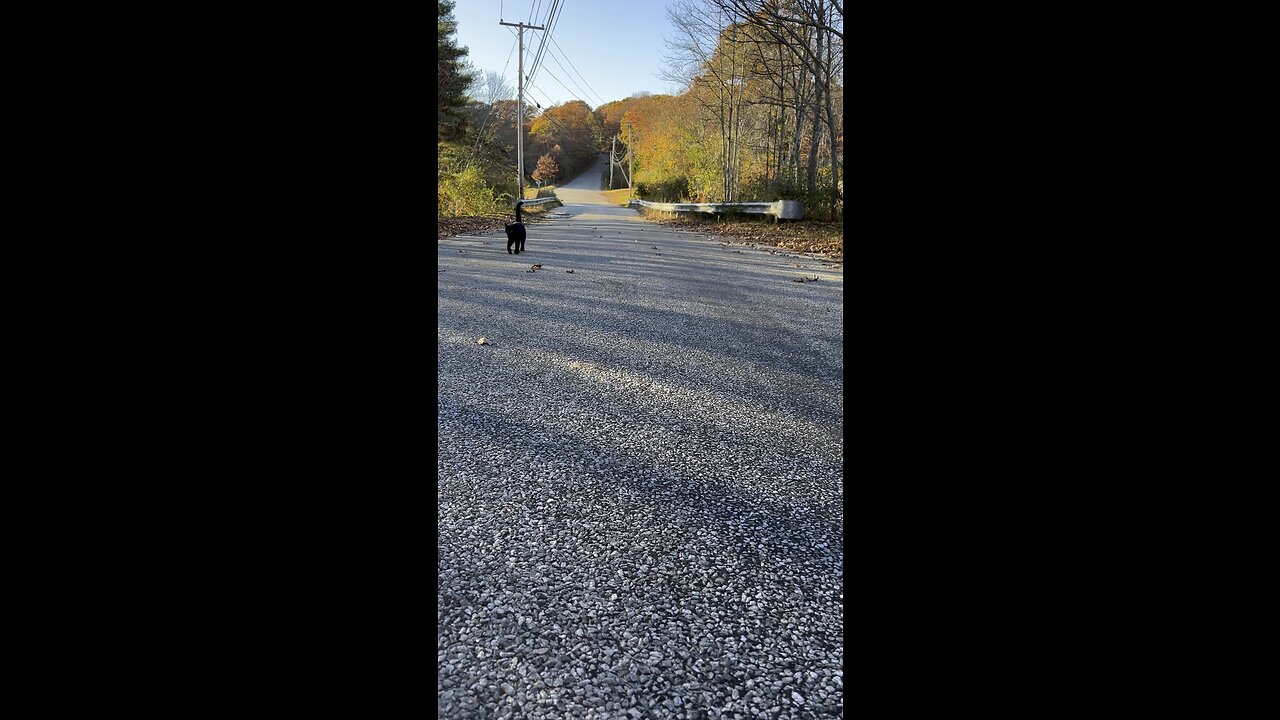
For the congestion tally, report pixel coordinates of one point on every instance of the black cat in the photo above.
(515, 233)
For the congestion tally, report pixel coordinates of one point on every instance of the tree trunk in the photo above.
(812, 177)
(801, 102)
(821, 89)
(782, 116)
(831, 135)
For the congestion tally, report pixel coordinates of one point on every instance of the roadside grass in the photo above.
(617, 197)
(539, 192)
(811, 236)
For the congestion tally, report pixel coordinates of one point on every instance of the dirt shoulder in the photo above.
(822, 238)
(450, 226)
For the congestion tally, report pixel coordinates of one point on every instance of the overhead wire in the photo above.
(528, 49)
(549, 118)
(542, 41)
(546, 42)
(544, 94)
(575, 97)
(565, 55)
(492, 105)
(566, 74)
(553, 18)
(552, 102)
(549, 24)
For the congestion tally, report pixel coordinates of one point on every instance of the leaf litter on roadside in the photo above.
(807, 236)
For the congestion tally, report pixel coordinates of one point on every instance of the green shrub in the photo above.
(506, 188)
(674, 189)
(465, 193)
(757, 189)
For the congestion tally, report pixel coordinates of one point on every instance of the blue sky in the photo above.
(616, 46)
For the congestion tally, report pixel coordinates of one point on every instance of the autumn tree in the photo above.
(610, 115)
(547, 170)
(664, 139)
(573, 127)
(808, 37)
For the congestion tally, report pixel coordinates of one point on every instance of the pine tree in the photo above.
(452, 79)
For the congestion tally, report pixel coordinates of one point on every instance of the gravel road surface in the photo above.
(640, 474)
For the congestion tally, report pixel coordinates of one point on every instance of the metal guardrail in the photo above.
(782, 209)
(539, 201)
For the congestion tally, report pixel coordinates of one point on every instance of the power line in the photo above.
(533, 13)
(550, 104)
(553, 19)
(542, 41)
(529, 48)
(565, 55)
(544, 94)
(566, 74)
(538, 54)
(575, 97)
(549, 118)
(492, 105)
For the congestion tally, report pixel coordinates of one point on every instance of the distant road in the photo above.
(585, 189)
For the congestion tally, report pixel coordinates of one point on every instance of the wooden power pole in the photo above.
(612, 154)
(520, 107)
(631, 157)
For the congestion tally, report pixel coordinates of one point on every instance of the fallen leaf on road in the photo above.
(483, 341)
(569, 271)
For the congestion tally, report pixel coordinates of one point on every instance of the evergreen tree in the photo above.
(452, 78)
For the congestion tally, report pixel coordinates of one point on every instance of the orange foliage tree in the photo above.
(662, 133)
(573, 127)
(547, 170)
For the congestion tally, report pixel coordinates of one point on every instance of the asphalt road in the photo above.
(640, 476)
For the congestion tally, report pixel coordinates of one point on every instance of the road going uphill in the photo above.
(640, 473)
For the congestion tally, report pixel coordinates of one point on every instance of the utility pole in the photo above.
(520, 107)
(631, 157)
(613, 152)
